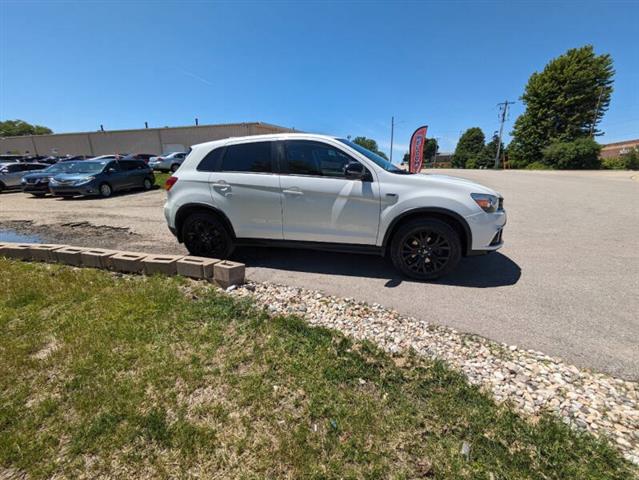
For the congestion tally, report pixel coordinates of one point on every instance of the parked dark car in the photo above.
(11, 173)
(145, 157)
(102, 177)
(37, 183)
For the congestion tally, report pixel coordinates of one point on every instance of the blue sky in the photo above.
(330, 67)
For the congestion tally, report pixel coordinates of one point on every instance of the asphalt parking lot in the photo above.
(566, 282)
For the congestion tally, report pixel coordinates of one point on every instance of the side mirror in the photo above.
(356, 171)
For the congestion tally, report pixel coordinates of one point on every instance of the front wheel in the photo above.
(174, 167)
(205, 236)
(105, 190)
(425, 249)
(148, 184)
(38, 195)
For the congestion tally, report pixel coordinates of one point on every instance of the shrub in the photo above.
(538, 166)
(629, 161)
(579, 154)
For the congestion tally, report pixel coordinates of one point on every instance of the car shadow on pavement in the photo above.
(485, 271)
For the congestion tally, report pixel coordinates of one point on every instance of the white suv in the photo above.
(316, 191)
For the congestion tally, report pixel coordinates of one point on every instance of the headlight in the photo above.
(488, 203)
(23, 181)
(84, 180)
(53, 181)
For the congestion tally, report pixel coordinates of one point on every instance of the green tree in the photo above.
(369, 144)
(470, 148)
(431, 147)
(582, 153)
(564, 102)
(18, 128)
(487, 158)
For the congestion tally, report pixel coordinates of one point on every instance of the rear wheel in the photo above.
(174, 167)
(148, 184)
(425, 249)
(105, 190)
(205, 236)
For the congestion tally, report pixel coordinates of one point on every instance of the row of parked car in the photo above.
(169, 162)
(98, 176)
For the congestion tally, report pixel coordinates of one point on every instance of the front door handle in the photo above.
(295, 191)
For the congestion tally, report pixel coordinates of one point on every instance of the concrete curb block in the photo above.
(224, 272)
(200, 268)
(45, 252)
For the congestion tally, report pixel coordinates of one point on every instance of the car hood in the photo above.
(72, 176)
(41, 174)
(447, 180)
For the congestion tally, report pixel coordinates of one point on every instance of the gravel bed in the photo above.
(531, 381)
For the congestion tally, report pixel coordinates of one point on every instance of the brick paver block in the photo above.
(19, 251)
(128, 262)
(164, 264)
(69, 255)
(196, 267)
(45, 252)
(97, 257)
(228, 273)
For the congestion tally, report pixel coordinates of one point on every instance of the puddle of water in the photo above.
(7, 235)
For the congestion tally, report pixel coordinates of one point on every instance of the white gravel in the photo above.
(531, 381)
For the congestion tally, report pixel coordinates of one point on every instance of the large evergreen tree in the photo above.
(564, 102)
(469, 149)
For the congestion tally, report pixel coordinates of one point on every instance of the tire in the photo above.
(425, 249)
(38, 195)
(174, 167)
(205, 236)
(106, 190)
(147, 184)
(1, 187)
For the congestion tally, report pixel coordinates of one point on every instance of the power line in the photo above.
(503, 108)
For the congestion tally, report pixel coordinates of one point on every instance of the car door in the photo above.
(319, 204)
(246, 188)
(14, 174)
(115, 175)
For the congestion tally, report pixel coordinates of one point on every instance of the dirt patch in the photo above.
(84, 234)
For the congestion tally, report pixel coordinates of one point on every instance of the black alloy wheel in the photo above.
(205, 236)
(426, 249)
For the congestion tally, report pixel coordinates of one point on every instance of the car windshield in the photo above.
(86, 167)
(60, 167)
(379, 160)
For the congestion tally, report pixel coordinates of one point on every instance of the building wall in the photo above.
(146, 140)
(618, 149)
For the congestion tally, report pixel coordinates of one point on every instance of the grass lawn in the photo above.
(160, 178)
(136, 377)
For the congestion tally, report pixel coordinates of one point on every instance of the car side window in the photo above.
(211, 162)
(315, 158)
(114, 165)
(254, 157)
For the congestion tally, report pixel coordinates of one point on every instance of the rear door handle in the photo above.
(295, 191)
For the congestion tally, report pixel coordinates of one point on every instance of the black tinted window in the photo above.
(127, 165)
(314, 158)
(248, 157)
(211, 161)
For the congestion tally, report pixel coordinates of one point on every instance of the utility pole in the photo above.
(503, 107)
(594, 119)
(392, 133)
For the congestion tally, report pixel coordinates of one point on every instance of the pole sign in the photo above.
(417, 149)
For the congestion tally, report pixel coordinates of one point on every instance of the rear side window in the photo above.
(248, 157)
(315, 158)
(210, 162)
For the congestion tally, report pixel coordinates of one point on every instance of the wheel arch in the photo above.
(190, 208)
(456, 221)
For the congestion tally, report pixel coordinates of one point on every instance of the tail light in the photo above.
(170, 182)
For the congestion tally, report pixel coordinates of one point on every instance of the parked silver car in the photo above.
(11, 173)
(169, 162)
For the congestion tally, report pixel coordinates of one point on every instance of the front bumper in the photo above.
(67, 190)
(35, 188)
(487, 230)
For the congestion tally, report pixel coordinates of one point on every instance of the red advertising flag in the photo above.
(417, 149)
